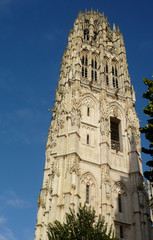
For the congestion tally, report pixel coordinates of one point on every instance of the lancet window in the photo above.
(87, 193)
(120, 202)
(88, 139)
(94, 68)
(84, 62)
(121, 232)
(86, 29)
(115, 75)
(86, 34)
(106, 73)
(114, 125)
(88, 189)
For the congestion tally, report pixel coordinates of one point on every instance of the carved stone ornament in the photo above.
(134, 136)
(61, 121)
(73, 165)
(75, 104)
(129, 104)
(87, 178)
(141, 184)
(141, 198)
(115, 112)
(75, 117)
(55, 169)
(53, 130)
(132, 118)
(88, 102)
(133, 128)
(105, 174)
(119, 188)
(76, 91)
(107, 189)
(104, 115)
(104, 126)
(41, 201)
(106, 179)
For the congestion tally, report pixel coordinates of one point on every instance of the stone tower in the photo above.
(93, 147)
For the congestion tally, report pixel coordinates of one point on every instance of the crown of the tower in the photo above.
(96, 56)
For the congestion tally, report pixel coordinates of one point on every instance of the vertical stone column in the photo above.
(137, 217)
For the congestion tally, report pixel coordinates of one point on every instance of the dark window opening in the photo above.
(86, 34)
(113, 82)
(113, 70)
(95, 64)
(87, 193)
(115, 144)
(87, 138)
(95, 76)
(92, 63)
(82, 71)
(88, 111)
(85, 72)
(119, 203)
(86, 61)
(121, 231)
(95, 35)
(107, 81)
(116, 83)
(83, 60)
(106, 68)
(92, 74)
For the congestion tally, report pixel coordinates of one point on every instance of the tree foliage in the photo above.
(148, 129)
(80, 226)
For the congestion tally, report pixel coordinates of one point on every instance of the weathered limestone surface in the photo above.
(84, 162)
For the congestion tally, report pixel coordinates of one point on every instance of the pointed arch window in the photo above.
(84, 62)
(119, 202)
(114, 84)
(86, 34)
(107, 81)
(115, 138)
(87, 193)
(94, 68)
(95, 35)
(115, 76)
(92, 74)
(86, 73)
(88, 139)
(106, 68)
(121, 232)
(106, 74)
(113, 71)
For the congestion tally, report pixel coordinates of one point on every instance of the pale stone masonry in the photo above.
(93, 147)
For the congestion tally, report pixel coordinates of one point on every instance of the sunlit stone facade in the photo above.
(93, 147)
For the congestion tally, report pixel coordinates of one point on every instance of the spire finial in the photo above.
(118, 29)
(114, 27)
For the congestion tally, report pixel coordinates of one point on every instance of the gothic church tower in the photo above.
(93, 147)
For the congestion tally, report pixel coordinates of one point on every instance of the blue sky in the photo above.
(33, 36)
